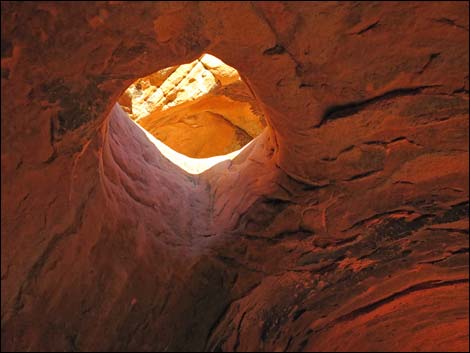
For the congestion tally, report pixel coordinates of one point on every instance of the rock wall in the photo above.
(344, 226)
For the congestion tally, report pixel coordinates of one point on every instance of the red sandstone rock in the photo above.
(344, 226)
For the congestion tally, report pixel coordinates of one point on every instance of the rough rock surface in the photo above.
(343, 227)
(201, 109)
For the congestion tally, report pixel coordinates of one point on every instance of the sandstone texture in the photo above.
(201, 109)
(342, 227)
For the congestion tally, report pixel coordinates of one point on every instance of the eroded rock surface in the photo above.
(343, 227)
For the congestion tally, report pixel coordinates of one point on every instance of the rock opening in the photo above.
(198, 110)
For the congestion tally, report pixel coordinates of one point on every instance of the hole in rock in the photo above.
(196, 114)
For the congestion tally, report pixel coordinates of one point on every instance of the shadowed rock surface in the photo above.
(342, 227)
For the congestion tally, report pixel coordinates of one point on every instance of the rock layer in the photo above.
(344, 226)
